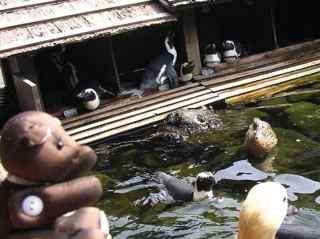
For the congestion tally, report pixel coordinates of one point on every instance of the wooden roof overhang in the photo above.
(180, 5)
(35, 24)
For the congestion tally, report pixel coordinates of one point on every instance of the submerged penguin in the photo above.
(177, 190)
(212, 56)
(160, 73)
(231, 51)
(186, 71)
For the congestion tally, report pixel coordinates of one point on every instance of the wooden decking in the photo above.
(247, 75)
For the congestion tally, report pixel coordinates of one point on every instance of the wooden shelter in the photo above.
(26, 27)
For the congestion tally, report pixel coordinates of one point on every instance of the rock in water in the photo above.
(260, 138)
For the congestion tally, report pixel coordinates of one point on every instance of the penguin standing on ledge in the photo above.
(231, 51)
(212, 55)
(186, 71)
(160, 73)
(89, 99)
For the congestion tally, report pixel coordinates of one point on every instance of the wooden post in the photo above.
(26, 82)
(2, 78)
(191, 39)
(28, 94)
(114, 64)
(274, 27)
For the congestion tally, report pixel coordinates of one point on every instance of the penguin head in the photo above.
(89, 99)
(170, 39)
(228, 45)
(87, 95)
(204, 182)
(211, 48)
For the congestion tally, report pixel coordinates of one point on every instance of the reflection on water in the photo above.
(128, 169)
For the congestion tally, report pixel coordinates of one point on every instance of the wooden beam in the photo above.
(268, 92)
(2, 76)
(143, 116)
(242, 90)
(32, 3)
(263, 76)
(75, 13)
(191, 39)
(26, 82)
(28, 94)
(114, 64)
(132, 107)
(274, 27)
(139, 111)
(83, 31)
(160, 114)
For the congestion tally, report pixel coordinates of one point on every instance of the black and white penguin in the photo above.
(200, 189)
(160, 73)
(186, 71)
(89, 99)
(231, 51)
(212, 56)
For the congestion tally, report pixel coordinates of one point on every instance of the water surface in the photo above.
(128, 167)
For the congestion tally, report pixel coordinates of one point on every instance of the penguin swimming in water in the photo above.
(186, 71)
(231, 51)
(177, 190)
(212, 55)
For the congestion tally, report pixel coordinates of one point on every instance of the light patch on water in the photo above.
(240, 171)
(297, 184)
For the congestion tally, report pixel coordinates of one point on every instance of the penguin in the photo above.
(160, 73)
(186, 71)
(89, 99)
(198, 190)
(231, 51)
(212, 55)
(86, 92)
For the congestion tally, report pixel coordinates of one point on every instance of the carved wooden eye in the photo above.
(60, 144)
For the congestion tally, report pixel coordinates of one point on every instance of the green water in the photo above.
(127, 167)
